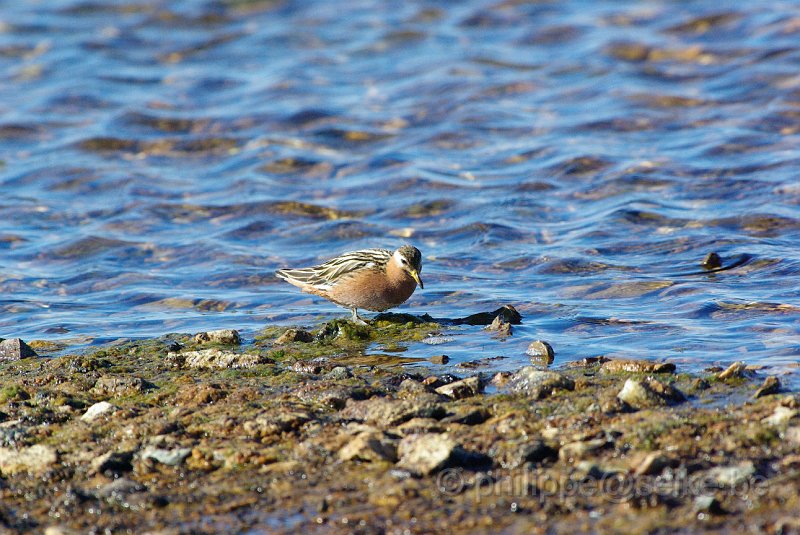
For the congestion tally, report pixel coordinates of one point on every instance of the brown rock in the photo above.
(587, 362)
(386, 412)
(219, 359)
(541, 352)
(426, 453)
(34, 459)
(222, 336)
(110, 386)
(580, 449)
(370, 446)
(294, 335)
(649, 392)
(771, 385)
(439, 359)
(737, 369)
(538, 383)
(502, 327)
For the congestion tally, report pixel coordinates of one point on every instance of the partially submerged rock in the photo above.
(770, 386)
(507, 314)
(294, 335)
(541, 352)
(649, 392)
(500, 326)
(15, 349)
(539, 384)
(737, 369)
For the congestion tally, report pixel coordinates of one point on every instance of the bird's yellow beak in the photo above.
(414, 273)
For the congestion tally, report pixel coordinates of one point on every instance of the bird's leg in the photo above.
(356, 318)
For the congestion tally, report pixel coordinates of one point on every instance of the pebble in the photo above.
(172, 457)
(538, 383)
(15, 349)
(541, 352)
(103, 408)
(229, 337)
(439, 359)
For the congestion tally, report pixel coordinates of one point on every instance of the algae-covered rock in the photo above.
(277, 421)
(294, 335)
(219, 359)
(34, 459)
(390, 412)
(221, 336)
(649, 392)
(636, 366)
(125, 385)
(15, 349)
(770, 386)
(538, 383)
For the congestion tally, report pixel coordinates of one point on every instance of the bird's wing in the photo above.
(324, 276)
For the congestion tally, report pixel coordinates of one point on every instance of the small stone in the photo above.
(711, 261)
(219, 359)
(652, 464)
(228, 337)
(370, 446)
(426, 453)
(34, 459)
(541, 352)
(465, 388)
(577, 450)
(780, 416)
(294, 335)
(112, 463)
(649, 392)
(172, 457)
(737, 369)
(98, 410)
(771, 385)
(707, 504)
(538, 383)
(15, 349)
(439, 359)
(731, 475)
(636, 366)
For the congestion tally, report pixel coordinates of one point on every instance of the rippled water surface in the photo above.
(576, 159)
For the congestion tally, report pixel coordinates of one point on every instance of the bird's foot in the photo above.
(357, 319)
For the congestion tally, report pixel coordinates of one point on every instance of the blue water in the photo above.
(575, 159)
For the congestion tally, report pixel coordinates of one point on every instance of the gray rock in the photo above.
(538, 383)
(649, 392)
(98, 410)
(33, 460)
(370, 446)
(731, 475)
(464, 388)
(15, 349)
(219, 359)
(426, 453)
(780, 416)
(172, 457)
(386, 412)
(228, 337)
(120, 386)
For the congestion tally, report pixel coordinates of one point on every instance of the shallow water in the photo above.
(576, 159)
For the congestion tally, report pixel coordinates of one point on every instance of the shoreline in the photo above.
(301, 431)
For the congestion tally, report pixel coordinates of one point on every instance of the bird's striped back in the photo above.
(324, 276)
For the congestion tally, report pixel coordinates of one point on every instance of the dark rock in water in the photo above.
(15, 349)
(538, 383)
(341, 328)
(541, 352)
(439, 359)
(507, 314)
(395, 317)
(294, 335)
(711, 261)
(771, 385)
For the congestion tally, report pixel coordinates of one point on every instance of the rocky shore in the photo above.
(301, 431)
